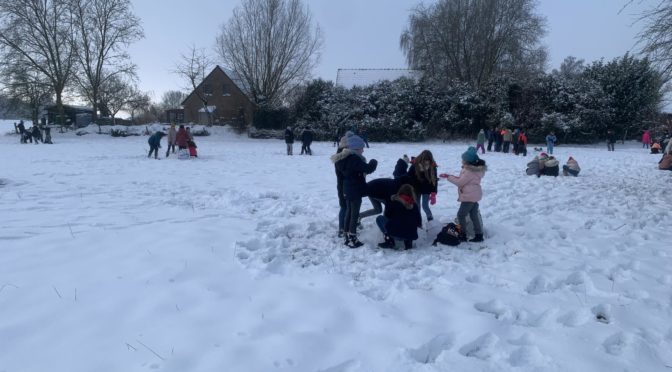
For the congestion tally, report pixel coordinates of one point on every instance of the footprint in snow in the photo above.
(618, 343)
(495, 307)
(428, 352)
(484, 347)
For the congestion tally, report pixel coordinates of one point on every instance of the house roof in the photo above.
(350, 77)
(237, 81)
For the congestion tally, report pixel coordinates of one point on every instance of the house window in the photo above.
(225, 90)
(207, 89)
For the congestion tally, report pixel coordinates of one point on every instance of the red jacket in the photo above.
(181, 138)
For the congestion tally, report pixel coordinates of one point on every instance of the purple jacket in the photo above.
(469, 183)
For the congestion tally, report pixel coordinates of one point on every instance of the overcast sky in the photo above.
(365, 33)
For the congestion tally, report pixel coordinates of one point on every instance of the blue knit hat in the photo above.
(470, 156)
(355, 143)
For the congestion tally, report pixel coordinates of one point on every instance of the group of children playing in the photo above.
(182, 138)
(400, 195)
(547, 165)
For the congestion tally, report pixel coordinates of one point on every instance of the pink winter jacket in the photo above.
(646, 137)
(469, 183)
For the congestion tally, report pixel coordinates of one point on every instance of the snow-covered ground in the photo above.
(110, 261)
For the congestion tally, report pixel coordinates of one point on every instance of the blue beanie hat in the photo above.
(470, 156)
(355, 143)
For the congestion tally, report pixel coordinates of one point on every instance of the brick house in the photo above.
(226, 100)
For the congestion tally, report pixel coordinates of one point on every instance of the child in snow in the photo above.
(342, 145)
(172, 137)
(401, 169)
(469, 191)
(646, 139)
(572, 167)
(550, 142)
(192, 148)
(480, 141)
(522, 143)
(354, 168)
(401, 220)
(655, 148)
(155, 144)
(181, 138)
(422, 175)
(289, 140)
(380, 191)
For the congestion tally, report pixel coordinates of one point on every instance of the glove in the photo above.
(432, 198)
(444, 175)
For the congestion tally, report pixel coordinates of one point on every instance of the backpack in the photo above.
(449, 235)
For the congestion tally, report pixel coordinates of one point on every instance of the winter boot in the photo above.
(388, 243)
(408, 244)
(463, 237)
(353, 242)
(478, 238)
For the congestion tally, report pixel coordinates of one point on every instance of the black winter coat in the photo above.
(400, 169)
(307, 137)
(383, 188)
(421, 186)
(354, 170)
(289, 136)
(404, 219)
(155, 139)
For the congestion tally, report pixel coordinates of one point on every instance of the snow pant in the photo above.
(549, 148)
(341, 213)
(305, 148)
(290, 148)
(645, 145)
(170, 145)
(154, 149)
(498, 147)
(490, 145)
(377, 208)
(480, 146)
(471, 209)
(351, 215)
(515, 147)
(522, 149)
(610, 146)
(506, 147)
(424, 198)
(566, 171)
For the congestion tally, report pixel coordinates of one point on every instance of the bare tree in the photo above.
(40, 32)
(193, 67)
(172, 99)
(138, 102)
(28, 86)
(272, 45)
(104, 29)
(115, 93)
(475, 40)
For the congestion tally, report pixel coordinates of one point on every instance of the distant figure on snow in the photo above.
(181, 138)
(611, 139)
(480, 141)
(550, 142)
(646, 139)
(306, 141)
(172, 137)
(655, 148)
(289, 140)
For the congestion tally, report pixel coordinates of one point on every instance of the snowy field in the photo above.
(110, 261)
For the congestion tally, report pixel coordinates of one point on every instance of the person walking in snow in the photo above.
(423, 178)
(550, 142)
(490, 134)
(171, 139)
(522, 143)
(514, 140)
(289, 140)
(401, 219)
(354, 168)
(646, 139)
(611, 139)
(469, 192)
(154, 142)
(181, 138)
(480, 141)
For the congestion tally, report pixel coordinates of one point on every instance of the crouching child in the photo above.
(572, 167)
(401, 219)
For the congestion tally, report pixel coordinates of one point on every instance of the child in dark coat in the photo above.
(423, 179)
(401, 220)
(401, 169)
(154, 142)
(354, 168)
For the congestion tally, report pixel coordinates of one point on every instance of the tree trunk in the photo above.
(59, 105)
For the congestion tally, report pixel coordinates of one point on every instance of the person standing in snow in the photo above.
(172, 137)
(611, 139)
(646, 139)
(480, 141)
(469, 192)
(506, 137)
(422, 174)
(306, 141)
(550, 142)
(181, 138)
(401, 219)
(491, 138)
(354, 168)
(289, 140)
(514, 140)
(154, 142)
(522, 143)
(342, 145)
